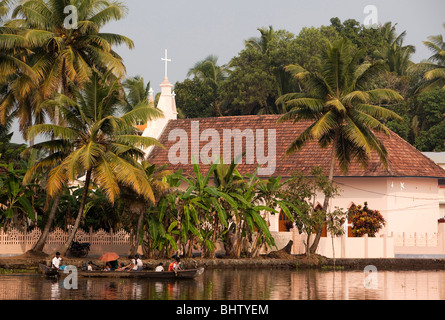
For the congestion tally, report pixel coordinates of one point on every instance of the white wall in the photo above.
(407, 204)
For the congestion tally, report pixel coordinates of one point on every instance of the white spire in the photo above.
(166, 104)
(150, 97)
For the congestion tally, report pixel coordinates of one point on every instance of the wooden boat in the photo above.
(183, 274)
(48, 271)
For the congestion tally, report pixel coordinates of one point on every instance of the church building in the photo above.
(406, 192)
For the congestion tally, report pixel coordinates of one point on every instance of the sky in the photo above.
(193, 29)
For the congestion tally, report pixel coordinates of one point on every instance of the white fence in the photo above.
(16, 242)
(401, 244)
(384, 246)
(339, 247)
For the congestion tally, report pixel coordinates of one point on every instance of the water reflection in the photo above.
(237, 285)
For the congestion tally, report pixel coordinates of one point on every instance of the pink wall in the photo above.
(413, 205)
(408, 204)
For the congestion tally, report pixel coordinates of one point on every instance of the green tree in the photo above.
(137, 204)
(18, 202)
(195, 98)
(59, 54)
(210, 74)
(345, 116)
(257, 77)
(367, 39)
(435, 66)
(137, 92)
(302, 191)
(95, 144)
(397, 57)
(9, 152)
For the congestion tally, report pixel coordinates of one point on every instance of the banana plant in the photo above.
(16, 199)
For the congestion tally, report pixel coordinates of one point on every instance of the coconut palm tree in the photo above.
(94, 144)
(59, 53)
(14, 51)
(397, 57)
(137, 92)
(210, 73)
(261, 44)
(138, 204)
(265, 45)
(4, 8)
(434, 68)
(344, 115)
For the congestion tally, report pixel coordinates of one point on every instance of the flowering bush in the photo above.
(365, 220)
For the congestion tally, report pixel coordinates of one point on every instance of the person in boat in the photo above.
(175, 265)
(111, 265)
(55, 263)
(131, 265)
(160, 267)
(122, 267)
(138, 266)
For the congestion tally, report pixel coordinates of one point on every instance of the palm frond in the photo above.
(384, 96)
(52, 130)
(435, 74)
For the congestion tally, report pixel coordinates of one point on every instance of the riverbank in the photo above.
(30, 262)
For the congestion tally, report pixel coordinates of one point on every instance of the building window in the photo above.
(284, 223)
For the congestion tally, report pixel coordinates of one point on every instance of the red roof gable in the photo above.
(403, 159)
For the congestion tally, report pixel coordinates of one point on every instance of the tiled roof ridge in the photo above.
(404, 160)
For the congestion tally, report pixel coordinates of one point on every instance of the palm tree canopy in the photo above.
(397, 57)
(262, 43)
(44, 54)
(95, 140)
(136, 92)
(68, 50)
(344, 113)
(434, 68)
(209, 72)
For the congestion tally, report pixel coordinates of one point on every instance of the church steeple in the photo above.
(166, 104)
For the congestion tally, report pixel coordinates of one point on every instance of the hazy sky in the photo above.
(193, 29)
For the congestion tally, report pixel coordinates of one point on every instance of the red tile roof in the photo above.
(403, 159)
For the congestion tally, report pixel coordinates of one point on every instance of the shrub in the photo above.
(365, 220)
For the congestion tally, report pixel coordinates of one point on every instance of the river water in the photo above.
(266, 284)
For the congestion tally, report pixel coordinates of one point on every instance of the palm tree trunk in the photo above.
(64, 248)
(52, 214)
(314, 246)
(135, 246)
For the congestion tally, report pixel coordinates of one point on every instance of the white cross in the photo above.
(166, 62)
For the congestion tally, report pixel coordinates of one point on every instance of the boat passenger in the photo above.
(111, 265)
(175, 265)
(160, 267)
(122, 267)
(55, 263)
(131, 265)
(138, 266)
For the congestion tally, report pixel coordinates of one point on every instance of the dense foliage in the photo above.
(365, 220)
(69, 86)
(257, 77)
